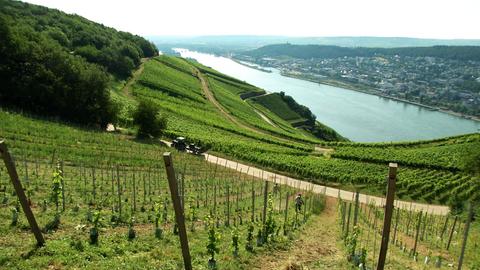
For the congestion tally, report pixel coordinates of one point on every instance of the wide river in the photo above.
(355, 115)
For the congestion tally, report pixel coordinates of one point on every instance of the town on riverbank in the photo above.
(446, 82)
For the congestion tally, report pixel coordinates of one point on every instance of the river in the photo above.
(358, 116)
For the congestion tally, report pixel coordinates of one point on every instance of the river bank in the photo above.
(371, 91)
(252, 65)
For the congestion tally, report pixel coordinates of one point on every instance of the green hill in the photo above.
(61, 65)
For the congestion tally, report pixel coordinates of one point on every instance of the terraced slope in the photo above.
(429, 171)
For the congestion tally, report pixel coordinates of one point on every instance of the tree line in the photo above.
(318, 129)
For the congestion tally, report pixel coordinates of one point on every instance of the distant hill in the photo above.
(225, 44)
(326, 51)
(59, 65)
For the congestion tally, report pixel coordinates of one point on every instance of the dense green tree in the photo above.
(300, 109)
(60, 65)
(79, 35)
(38, 76)
(150, 123)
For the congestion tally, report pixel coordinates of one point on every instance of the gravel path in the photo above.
(329, 191)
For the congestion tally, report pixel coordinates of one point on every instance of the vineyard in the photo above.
(119, 214)
(418, 239)
(102, 199)
(259, 183)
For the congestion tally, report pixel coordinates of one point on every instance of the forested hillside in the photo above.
(57, 64)
(326, 51)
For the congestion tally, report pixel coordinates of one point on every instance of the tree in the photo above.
(150, 123)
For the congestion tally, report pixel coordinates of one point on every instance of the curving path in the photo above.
(208, 93)
(329, 191)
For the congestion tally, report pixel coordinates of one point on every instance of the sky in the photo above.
(445, 19)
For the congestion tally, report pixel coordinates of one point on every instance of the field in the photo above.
(122, 181)
(417, 238)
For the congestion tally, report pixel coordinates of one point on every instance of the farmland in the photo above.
(92, 161)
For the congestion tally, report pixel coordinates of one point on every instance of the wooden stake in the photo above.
(63, 185)
(355, 213)
(179, 215)
(134, 193)
(265, 201)
(286, 211)
(94, 188)
(465, 235)
(417, 233)
(348, 219)
(119, 194)
(451, 232)
(392, 174)
(396, 226)
(228, 205)
(253, 205)
(17, 185)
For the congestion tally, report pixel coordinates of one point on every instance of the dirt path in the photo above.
(329, 191)
(208, 93)
(265, 118)
(316, 247)
(126, 89)
(323, 150)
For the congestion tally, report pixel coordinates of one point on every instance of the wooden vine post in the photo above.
(416, 235)
(355, 213)
(265, 202)
(348, 219)
(392, 175)
(119, 195)
(179, 215)
(17, 185)
(451, 232)
(228, 205)
(285, 220)
(465, 235)
(63, 186)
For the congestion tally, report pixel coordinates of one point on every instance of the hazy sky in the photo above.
(406, 18)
